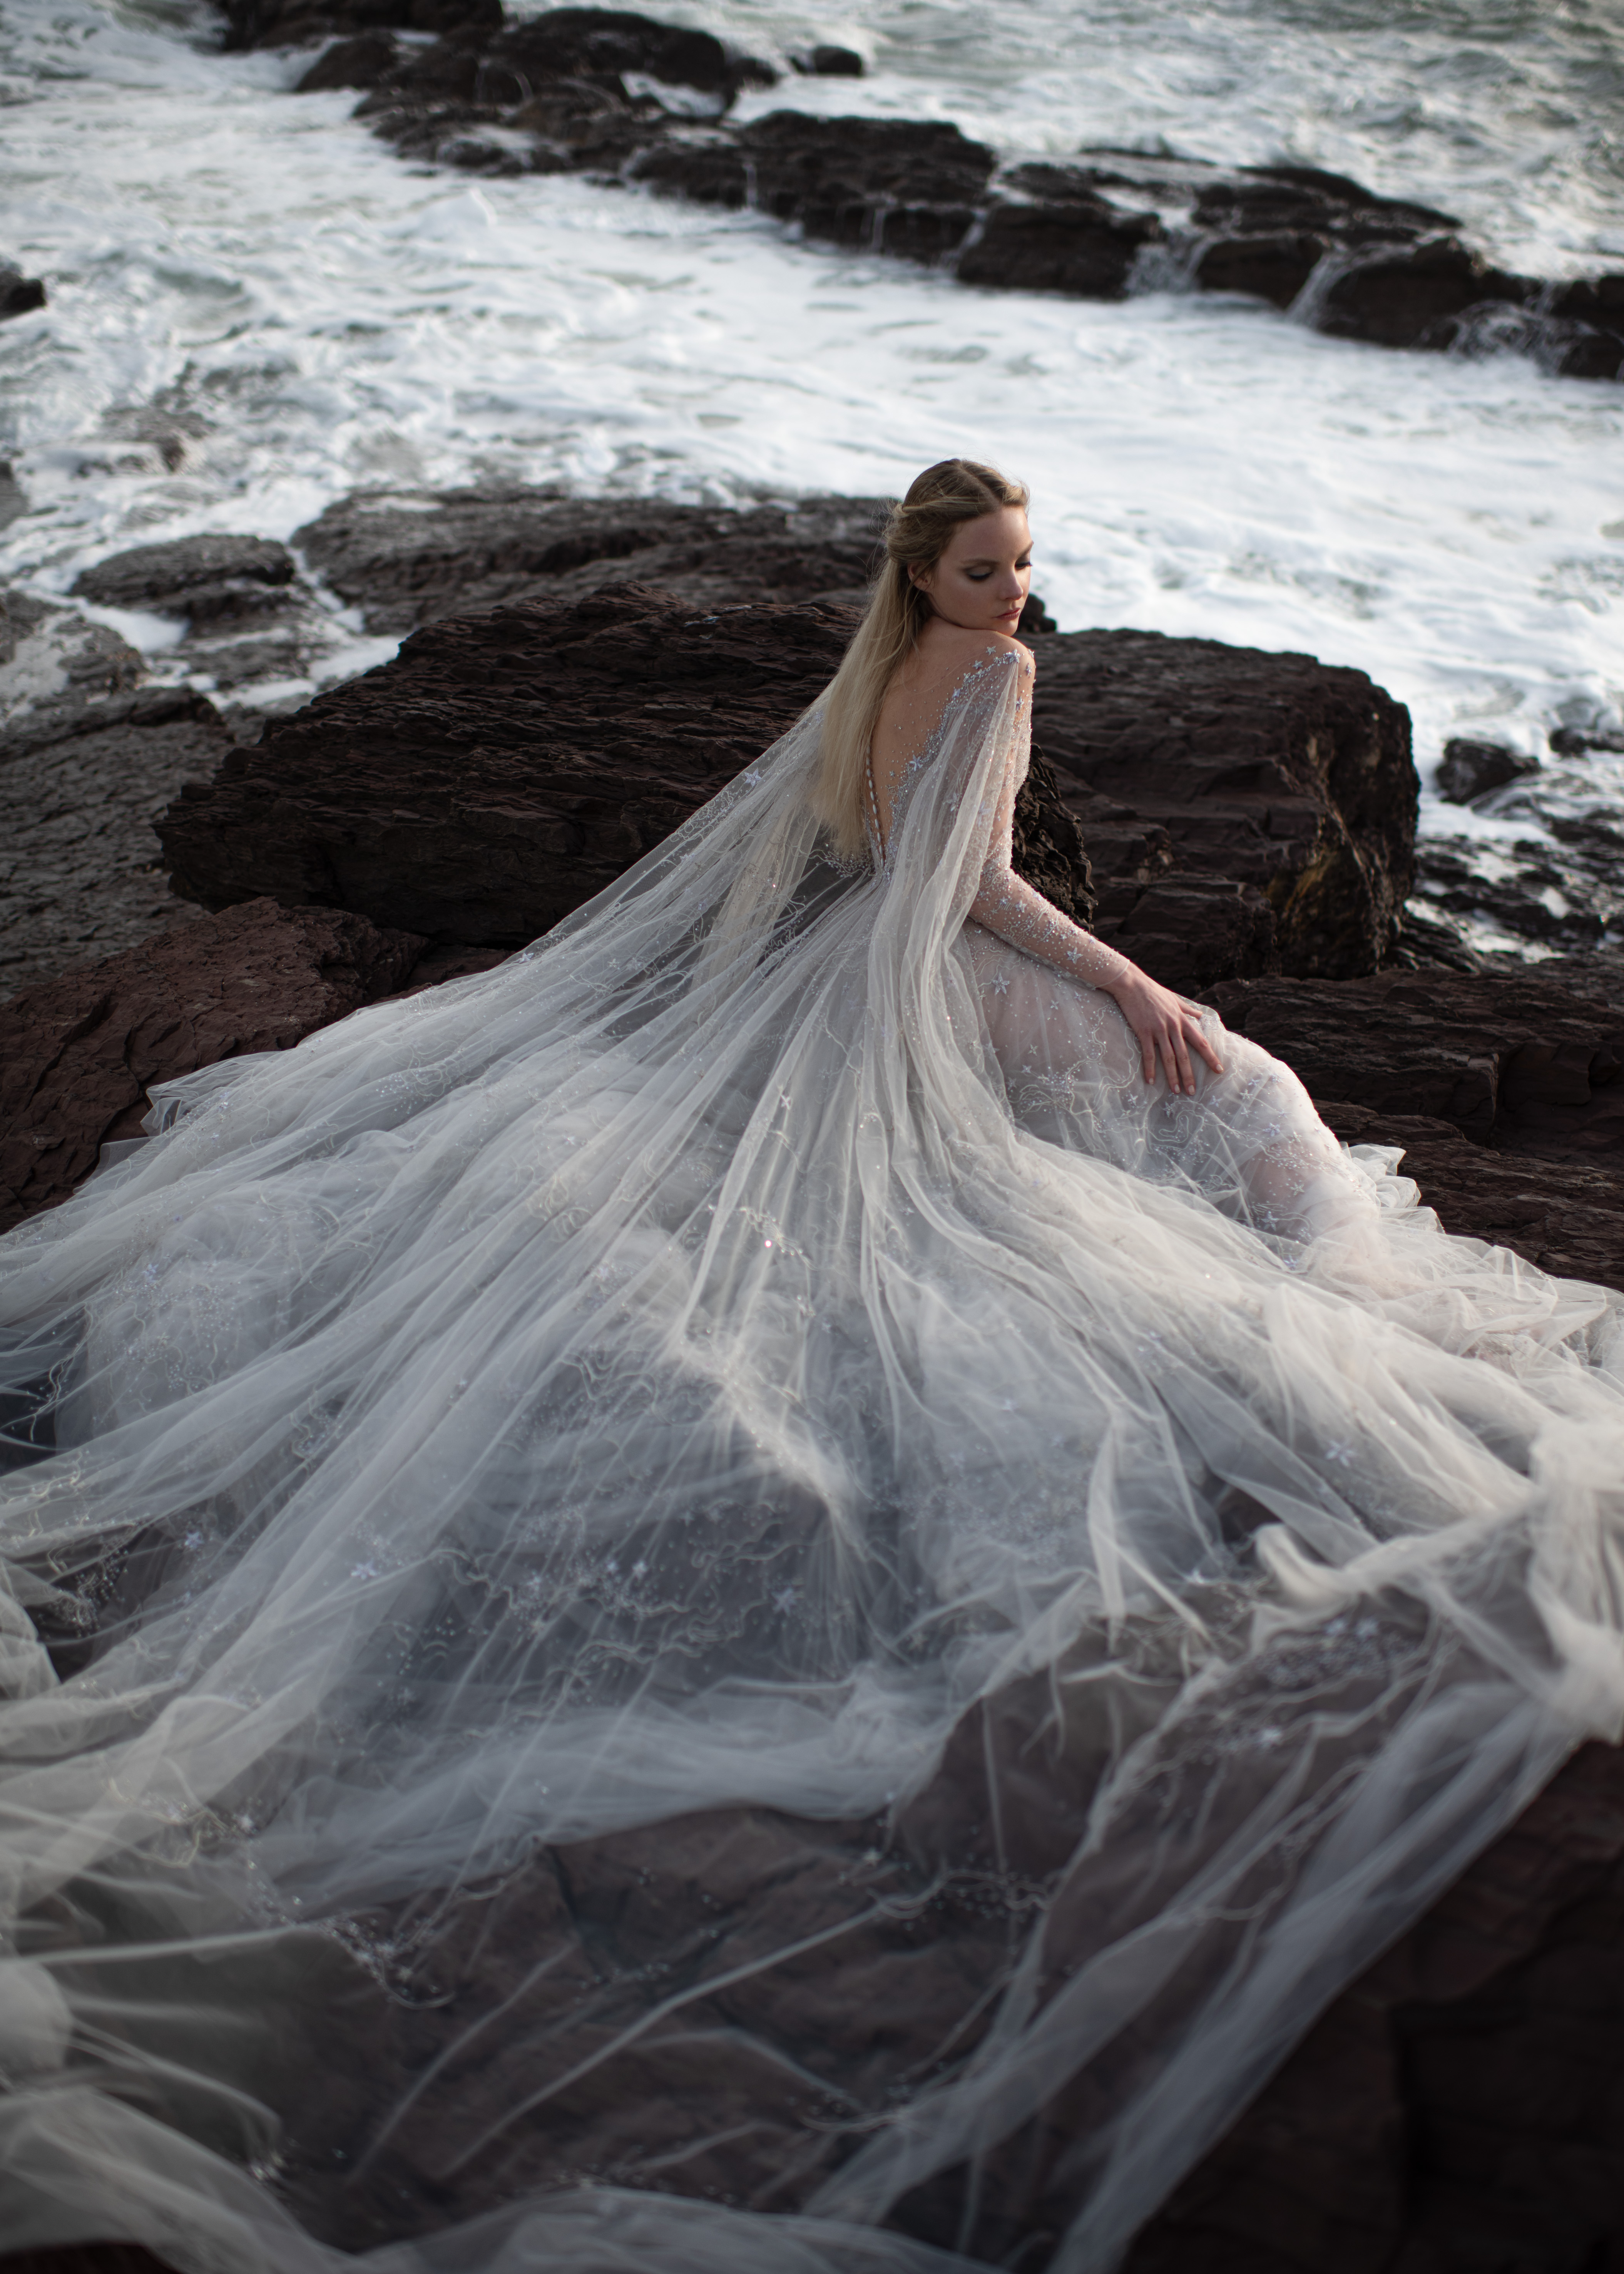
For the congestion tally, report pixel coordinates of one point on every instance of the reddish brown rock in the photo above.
(79, 1053)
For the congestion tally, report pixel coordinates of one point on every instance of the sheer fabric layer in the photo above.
(688, 1366)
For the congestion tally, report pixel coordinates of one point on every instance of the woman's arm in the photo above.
(1006, 904)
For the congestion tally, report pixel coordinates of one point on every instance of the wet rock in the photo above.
(249, 614)
(1243, 812)
(59, 674)
(408, 558)
(13, 499)
(81, 873)
(19, 294)
(1055, 234)
(1240, 811)
(1406, 299)
(827, 63)
(1520, 1057)
(1574, 742)
(360, 61)
(79, 1053)
(889, 185)
(209, 576)
(1563, 891)
(1470, 770)
(1274, 266)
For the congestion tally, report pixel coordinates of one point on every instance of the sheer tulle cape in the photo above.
(665, 1373)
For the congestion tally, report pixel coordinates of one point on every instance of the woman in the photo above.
(815, 1289)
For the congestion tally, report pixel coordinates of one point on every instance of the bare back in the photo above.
(914, 701)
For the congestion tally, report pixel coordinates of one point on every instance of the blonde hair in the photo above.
(917, 534)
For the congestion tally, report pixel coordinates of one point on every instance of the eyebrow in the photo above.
(989, 560)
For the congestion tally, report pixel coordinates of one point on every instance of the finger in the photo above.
(1147, 1053)
(1197, 1037)
(1186, 1080)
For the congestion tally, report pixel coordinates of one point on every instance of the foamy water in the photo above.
(317, 316)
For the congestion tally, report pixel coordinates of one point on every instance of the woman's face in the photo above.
(982, 581)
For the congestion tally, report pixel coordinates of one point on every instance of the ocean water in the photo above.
(310, 315)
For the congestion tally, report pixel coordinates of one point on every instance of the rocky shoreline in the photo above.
(633, 102)
(578, 675)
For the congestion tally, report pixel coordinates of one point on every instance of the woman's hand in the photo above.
(1163, 1022)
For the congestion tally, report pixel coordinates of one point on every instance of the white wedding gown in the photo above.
(689, 1366)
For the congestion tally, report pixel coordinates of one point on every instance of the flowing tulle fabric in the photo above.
(690, 1366)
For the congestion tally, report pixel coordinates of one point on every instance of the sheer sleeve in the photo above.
(1006, 904)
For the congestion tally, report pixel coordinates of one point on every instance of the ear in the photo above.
(920, 578)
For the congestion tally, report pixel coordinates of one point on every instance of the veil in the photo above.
(663, 1375)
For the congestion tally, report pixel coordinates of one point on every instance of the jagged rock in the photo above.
(1564, 894)
(1271, 798)
(1243, 812)
(1060, 236)
(1397, 299)
(58, 673)
(890, 185)
(1519, 1058)
(407, 558)
(81, 873)
(208, 575)
(79, 1053)
(18, 294)
(1470, 770)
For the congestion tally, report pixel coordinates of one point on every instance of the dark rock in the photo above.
(1470, 770)
(1406, 299)
(299, 23)
(1271, 800)
(81, 873)
(1450, 2112)
(1243, 812)
(59, 674)
(170, 578)
(408, 558)
(1566, 890)
(360, 61)
(827, 63)
(14, 501)
(79, 1053)
(886, 185)
(1453, 2110)
(1512, 1057)
(1066, 238)
(1566, 1215)
(505, 767)
(1574, 742)
(19, 294)
(1268, 268)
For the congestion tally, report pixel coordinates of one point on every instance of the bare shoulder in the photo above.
(958, 648)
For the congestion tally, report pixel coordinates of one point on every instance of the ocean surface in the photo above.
(311, 315)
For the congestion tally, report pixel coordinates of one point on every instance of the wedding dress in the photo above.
(689, 1366)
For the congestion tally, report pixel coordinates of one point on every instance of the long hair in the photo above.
(917, 533)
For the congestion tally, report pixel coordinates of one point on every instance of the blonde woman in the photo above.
(814, 1289)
